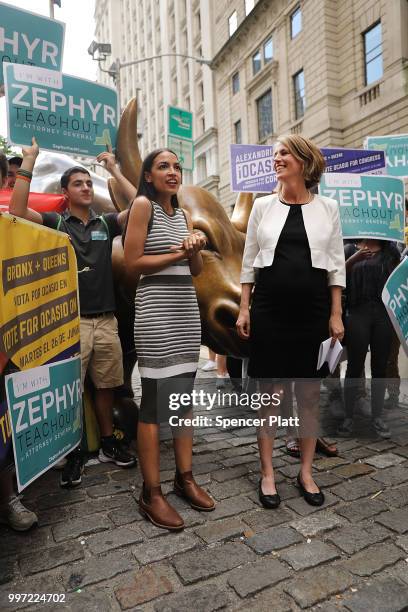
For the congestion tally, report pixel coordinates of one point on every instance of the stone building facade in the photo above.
(338, 71)
(140, 29)
(335, 71)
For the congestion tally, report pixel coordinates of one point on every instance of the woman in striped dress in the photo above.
(160, 245)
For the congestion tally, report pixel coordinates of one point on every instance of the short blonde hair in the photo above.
(309, 154)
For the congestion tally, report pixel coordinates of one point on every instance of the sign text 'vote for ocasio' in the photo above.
(370, 206)
(27, 38)
(64, 113)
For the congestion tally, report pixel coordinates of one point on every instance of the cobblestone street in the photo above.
(92, 544)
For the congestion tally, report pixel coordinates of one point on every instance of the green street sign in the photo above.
(184, 150)
(31, 39)
(64, 113)
(396, 152)
(180, 123)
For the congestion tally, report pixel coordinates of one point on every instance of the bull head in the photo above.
(218, 287)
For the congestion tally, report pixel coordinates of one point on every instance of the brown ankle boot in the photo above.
(154, 506)
(185, 486)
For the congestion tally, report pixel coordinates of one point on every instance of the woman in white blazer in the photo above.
(293, 272)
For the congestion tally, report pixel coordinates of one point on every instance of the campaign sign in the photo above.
(45, 405)
(39, 308)
(252, 168)
(64, 113)
(395, 298)
(396, 152)
(370, 206)
(353, 160)
(31, 39)
(252, 165)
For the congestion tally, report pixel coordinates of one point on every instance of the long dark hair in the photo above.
(148, 189)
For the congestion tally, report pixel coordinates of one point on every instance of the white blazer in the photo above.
(322, 223)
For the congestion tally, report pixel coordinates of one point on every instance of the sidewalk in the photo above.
(94, 547)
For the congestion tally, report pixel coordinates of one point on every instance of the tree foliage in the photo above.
(5, 147)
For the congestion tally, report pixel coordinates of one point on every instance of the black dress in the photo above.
(290, 309)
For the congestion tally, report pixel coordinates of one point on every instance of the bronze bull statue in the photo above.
(218, 287)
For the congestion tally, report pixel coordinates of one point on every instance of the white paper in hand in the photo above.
(331, 355)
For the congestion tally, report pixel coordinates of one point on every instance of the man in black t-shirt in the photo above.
(91, 236)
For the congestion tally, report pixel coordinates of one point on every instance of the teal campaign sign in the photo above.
(64, 113)
(396, 152)
(395, 298)
(45, 406)
(370, 206)
(28, 38)
(180, 123)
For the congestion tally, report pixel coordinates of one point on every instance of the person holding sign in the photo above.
(368, 263)
(91, 236)
(12, 511)
(159, 244)
(294, 257)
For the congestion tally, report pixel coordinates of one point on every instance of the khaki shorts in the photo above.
(101, 352)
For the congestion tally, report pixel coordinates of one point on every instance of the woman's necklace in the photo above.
(310, 198)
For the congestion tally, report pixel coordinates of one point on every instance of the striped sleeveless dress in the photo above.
(167, 320)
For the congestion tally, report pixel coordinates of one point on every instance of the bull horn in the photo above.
(127, 148)
(241, 212)
(116, 195)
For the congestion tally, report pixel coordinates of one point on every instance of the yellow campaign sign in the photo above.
(39, 308)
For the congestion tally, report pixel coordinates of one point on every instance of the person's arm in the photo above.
(243, 321)
(336, 278)
(247, 278)
(135, 260)
(192, 245)
(359, 255)
(336, 327)
(19, 196)
(108, 160)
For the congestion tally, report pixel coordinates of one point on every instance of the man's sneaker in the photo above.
(17, 516)
(381, 428)
(112, 451)
(345, 430)
(209, 366)
(72, 472)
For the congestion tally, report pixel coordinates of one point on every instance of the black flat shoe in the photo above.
(314, 499)
(268, 501)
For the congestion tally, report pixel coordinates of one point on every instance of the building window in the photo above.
(295, 22)
(264, 109)
(201, 90)
(373, 54)
(232, 23)
(299, 88)
(203, 125)
(256, 62)
(268, 50)
(249, 5)
(202, 167)
(235, 83)
(237, 132)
